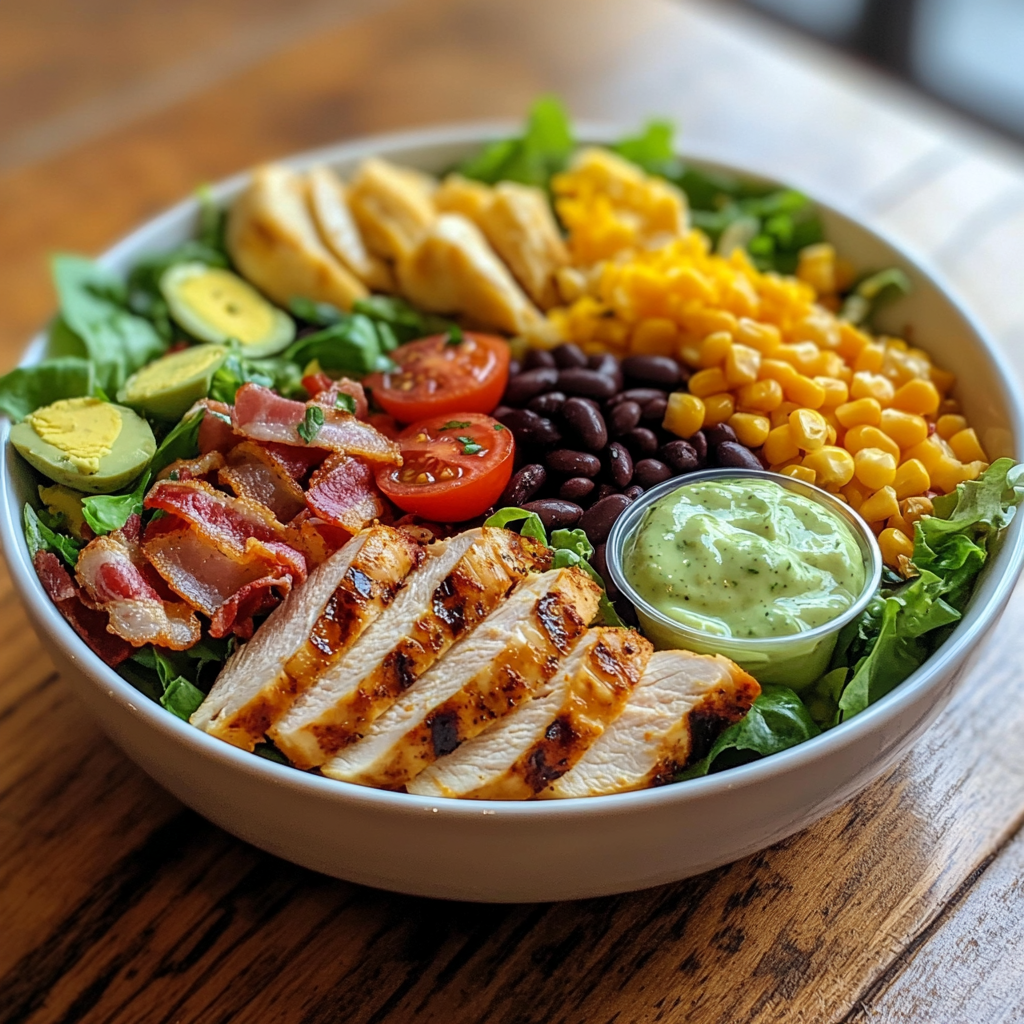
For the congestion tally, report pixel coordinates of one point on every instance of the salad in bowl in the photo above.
(569, 472)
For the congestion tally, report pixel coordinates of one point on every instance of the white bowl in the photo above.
(545, 850)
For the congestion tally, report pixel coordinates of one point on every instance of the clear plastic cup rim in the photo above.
(629, 521)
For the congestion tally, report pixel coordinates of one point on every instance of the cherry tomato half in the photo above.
(437, 376)
(453, 467)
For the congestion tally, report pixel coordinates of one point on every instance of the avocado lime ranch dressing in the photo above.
(745, 558)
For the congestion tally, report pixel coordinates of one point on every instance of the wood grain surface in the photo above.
(118, 905)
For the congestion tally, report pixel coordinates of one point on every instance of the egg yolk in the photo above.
(84, 429)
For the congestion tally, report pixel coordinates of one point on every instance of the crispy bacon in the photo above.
(254, 473)
(223, 584)
(228, 521)
(295, 461)
(112, 571)
(215, 431)
(263, 415)
(342, 492)
(326, 392)
(89, 623)
(193, 469)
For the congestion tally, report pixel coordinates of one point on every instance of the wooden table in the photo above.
(117, 905)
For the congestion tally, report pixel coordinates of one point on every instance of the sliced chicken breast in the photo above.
(391, 205)
(328, 203)
(314, 625)
(681, 704)
(453, 269)
(274, 243)
(512, 654)
(519, 224)
(441, 602)
(528, 749)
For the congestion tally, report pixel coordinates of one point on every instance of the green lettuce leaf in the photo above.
(395, 317)
(873, 292)
(108, 512)
(571, 548)
(181, 442)
(352, 346)
(181, 698)
(542, 150)
(653, 149)
(777, 721)
(95, 323)
(28, 388)
(41, 537)
(279, 373)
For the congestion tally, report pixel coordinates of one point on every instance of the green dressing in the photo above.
(745, 558)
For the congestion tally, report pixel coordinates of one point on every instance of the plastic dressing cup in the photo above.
(795, 660)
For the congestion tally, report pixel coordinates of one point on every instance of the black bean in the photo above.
(600, 563)
(680, 456)
(526, 385)
(718, 433)
(554, 513)
(622, 418)
(500, 411)
(640, 395)
(607, 365)
(620, 464)
(604, 490)
(736, 456)
(641, 442)
(633, 492)
(564, 460)
(699, 443)
(659, 371)
(536, 358)
(513, 367)
(597, 521)
(529, 428)
(649, 472)
(547, 405)
(655, 409)
(524, 484)
(576, 488)
(568, 355)
(589, 383)
(586, 423)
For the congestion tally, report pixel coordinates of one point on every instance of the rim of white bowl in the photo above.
(613, 805)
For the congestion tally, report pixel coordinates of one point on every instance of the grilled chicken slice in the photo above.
(454, 270)
(457, 194)
(527, 750)
(512, 654)
(314, 625)
(448, 596)
(520, 226)
(274, 243)
(328, 203)
(392, 206)
(682, 703)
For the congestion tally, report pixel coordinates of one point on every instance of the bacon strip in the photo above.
(215, 430)
(325, 391)
(229, 587)
(229, 521)
(263, 415)
(256, 474)
(112, 572)
(89, 623)
(193, 469)
(342, 492)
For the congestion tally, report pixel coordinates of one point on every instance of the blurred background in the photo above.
(967, 53)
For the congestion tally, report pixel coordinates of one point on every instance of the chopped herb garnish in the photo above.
(455, 425)
(469, 446)
(346, 402)
(498, 426)
(311, 424)
(455, 336)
